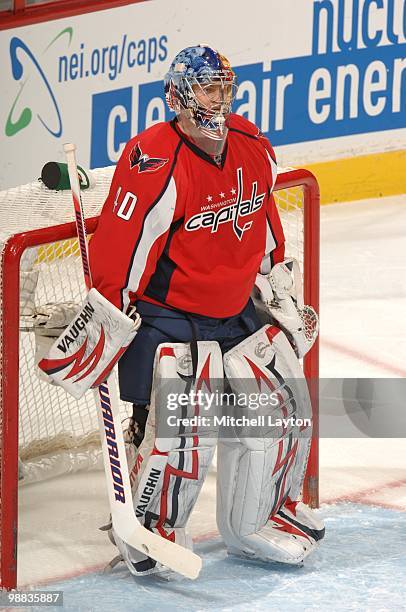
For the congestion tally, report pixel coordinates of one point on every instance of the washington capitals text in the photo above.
(230, 213)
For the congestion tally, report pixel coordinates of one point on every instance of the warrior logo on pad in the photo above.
(143, 161)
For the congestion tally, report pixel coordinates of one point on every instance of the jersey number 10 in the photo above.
(126, 208)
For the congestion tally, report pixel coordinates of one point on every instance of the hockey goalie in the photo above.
(188, 236)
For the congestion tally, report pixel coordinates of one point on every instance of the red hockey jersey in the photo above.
(180, 230)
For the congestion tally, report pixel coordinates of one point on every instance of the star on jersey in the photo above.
(233, 191)
(229, 214)
(222, 194)
(143, 161)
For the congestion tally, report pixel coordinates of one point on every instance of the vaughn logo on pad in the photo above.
(76, 327)
(90, 346)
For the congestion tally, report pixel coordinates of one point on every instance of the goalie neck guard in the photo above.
(200, 87)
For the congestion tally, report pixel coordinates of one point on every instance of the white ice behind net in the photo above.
(57, 433)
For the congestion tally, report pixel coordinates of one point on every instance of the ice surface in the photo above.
(360, 562)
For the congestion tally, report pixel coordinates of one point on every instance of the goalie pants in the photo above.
(161, 325)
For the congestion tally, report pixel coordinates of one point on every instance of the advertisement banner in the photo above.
(321, 78)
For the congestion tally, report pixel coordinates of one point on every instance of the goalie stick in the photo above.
(124, 520)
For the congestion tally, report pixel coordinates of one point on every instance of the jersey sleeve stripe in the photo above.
(271, 243)
(274, 168)
(129, 285)
(156, 223)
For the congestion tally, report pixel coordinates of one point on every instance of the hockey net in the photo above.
(43, 431)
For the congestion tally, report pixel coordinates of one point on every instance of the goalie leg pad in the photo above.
(256, 474)
(299, 519)
(169, 471)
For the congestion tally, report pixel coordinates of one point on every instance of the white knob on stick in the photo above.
(68, 147)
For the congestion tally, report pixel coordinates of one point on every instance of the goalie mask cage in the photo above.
(43, 431)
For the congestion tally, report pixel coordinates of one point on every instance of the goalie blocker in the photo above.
(87, 350)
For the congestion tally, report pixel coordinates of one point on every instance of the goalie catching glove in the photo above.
(87, 350)
(282, 293)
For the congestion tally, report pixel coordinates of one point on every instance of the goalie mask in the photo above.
(200, 87)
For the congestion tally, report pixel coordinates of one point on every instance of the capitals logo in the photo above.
(143, 161)
(230, 214)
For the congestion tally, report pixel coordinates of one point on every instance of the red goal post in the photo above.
(24, 407)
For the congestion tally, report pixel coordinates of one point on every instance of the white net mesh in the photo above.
(56, 432)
